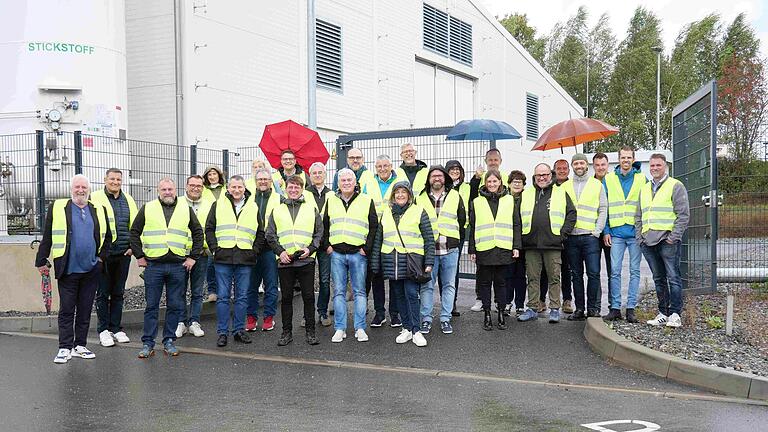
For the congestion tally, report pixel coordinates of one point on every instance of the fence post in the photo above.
(224, 165)
(78, 152)
(40, 138)
(193, 159)
(341, 153)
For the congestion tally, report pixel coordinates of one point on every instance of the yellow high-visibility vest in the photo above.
(447, 222)
(557, 206)
(100, 197)
(294, 235)
(233, 231)
(493, 232)
(202, 217)
(587, 205)
(409, 230)
(59, 227)
(158, 237)
(277, 178)
(658, 211)
(349, 225)
(209, 196)
(371, 188)
(419, 181)
(621, 209)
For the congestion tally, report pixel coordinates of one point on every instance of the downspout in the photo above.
(177, 23)
(311, 67)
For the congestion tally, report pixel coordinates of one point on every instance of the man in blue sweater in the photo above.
(623, 189)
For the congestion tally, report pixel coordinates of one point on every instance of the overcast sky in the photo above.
(674, 14)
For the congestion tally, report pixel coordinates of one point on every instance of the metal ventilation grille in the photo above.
(328, 56)
(461, 41)
(435, 30)
(531, 116)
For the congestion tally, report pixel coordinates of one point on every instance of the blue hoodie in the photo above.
(624, 231)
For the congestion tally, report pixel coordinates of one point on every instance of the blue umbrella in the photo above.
(482, 129)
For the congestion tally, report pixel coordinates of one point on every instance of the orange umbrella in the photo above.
(572, 132)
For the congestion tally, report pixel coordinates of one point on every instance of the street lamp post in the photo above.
(657, 50)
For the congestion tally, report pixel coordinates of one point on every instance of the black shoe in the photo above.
(285, 339)
(502, 321)
(613, 315)
(455, 313)
(378, 320)
(312, 338)
(242, 337)
(222, 341)
(631, 318)
(593, 314)
(487, 322)
(577, 316)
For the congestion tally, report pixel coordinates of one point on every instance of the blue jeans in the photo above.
(406, 294)
(355, 266)
(664, 261)
(266, 271)
(210, 274)
(196, 277)
(445, 269)
(225, 274)
(172, 276)
(324, 291)
(585, 250)
(111, 292)
(618, 246)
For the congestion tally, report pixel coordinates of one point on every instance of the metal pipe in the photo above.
(658, 93)
(78, 152)
(756, 274)
(40, 138)
(311, 66)
(177, 26)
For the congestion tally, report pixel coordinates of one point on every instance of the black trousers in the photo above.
(76, 294)
(488, 275)
(375, 282)
(565, 280)
(305, 276)
(110, 294)
(607, 255)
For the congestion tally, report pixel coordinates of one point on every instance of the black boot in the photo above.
(312, 337)
(285, 338)
(613, 315)
(502, 322)
(487, 322)
(631, 318)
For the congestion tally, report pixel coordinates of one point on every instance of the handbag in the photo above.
(414, 264)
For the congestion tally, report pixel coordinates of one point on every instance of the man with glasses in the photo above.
(289, 167)
(319, 192)
(412, 169)
(356, 163)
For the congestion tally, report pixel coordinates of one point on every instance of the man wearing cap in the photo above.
(583, 244)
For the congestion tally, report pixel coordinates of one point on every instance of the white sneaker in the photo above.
(62, 356)
(674, 321)
(660, 320)
(83, 352)
(106, 338)
(339, 336)
(404, 336)
(196, 330)
(419, 340)
(180, 330)
(121, 337)
(361, 336)
(477, 307)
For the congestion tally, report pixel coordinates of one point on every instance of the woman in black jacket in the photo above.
(491, 221)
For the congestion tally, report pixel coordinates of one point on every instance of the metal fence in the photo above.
(743, 225)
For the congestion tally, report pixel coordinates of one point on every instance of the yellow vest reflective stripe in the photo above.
(59, 227)
(493, 232)
(409, 230)
(100, 197)
(621, 209)
(350, 225)
(277, 179)
(158, 237)
(587, 204)
(236, 232)
(658, 211)
(556, 209)
(419, 181)
(202, 217)
(464, 194)
(447, 222)
(294, 235)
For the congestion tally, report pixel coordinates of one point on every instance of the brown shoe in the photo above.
(568, 306)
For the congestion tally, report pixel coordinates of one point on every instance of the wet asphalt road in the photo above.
(508, 383)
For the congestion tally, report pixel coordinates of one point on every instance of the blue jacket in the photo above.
(625, 231)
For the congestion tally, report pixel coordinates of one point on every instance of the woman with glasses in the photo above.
(515, 277)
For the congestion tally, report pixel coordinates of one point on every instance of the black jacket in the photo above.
(233, 256)
(461, 213)
(344, 248)
(274, 241)
(541, 236)
(319, 196)
(495, 256)
(194, 227)
(60, 263)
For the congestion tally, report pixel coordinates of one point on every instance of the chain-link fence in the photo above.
(743, 220)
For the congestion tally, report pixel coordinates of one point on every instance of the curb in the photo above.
(631, 355)
(50, 323)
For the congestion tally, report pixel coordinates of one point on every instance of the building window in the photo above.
(328, 55)
(447, 35)
(531, 116)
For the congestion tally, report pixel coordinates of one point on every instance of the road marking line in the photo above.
(692, 396)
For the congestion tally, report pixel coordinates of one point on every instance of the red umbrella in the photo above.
(571, 132)
(305, 143)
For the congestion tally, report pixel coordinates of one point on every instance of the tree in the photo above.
(695, 59)
(742, 103)
(517, 25)
(602, 53)
(567, 56)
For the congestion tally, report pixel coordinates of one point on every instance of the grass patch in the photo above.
(743, 221)
(492, 415)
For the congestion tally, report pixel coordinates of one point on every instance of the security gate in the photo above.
(694, 149)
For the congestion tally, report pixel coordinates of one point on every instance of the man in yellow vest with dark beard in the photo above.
(77, 237)
(159, 238)
(294, 232)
